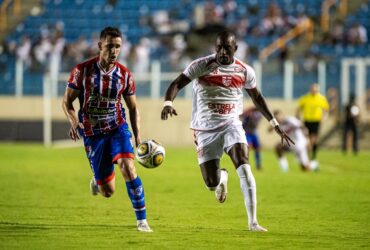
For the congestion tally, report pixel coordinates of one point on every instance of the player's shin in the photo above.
(248, 188)
(135, 191)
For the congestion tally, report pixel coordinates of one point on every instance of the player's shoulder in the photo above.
(293, 120)
(244, 66)
(87, 63)
(203, 60)
(123, 68)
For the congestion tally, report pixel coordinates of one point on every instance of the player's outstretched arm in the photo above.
(260, 103)
(69, 96)
(134, 117)
(180, 82)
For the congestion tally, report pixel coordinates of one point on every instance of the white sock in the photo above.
(142, 221)
(248, 188)
(284, 165)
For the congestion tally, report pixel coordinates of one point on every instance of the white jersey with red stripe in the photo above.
(218, 91)
(294, 129)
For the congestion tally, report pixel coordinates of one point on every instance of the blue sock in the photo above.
(135, 191)
(258, 159)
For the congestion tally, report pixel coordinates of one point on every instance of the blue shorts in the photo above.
(253, 140)
(105, 149)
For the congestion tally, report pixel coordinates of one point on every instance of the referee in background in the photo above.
(312, 105)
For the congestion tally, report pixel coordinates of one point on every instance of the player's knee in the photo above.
(242, 161)
(107, 192)
(211, 184)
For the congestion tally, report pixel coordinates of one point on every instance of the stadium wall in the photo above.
(23, 120)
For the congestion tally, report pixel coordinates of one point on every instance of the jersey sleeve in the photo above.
(130, 86)
(195, 69)
(75, 79)
(250, 78)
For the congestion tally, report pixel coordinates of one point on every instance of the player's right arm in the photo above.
(69, 96)
(180, 82)
(72, 91)
(195, 69)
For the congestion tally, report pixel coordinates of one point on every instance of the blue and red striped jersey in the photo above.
(100, 95)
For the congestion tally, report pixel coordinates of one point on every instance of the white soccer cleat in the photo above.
(143, 226)
(94, 187)
(221, 190)
(256, 228)
(314, 165)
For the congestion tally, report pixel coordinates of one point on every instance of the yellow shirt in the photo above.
(313, 106)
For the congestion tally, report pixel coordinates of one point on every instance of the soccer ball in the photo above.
(150, 154)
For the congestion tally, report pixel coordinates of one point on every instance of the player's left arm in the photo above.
(260, 103)
(133, 110)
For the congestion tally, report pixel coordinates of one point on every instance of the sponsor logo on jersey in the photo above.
(221, 108)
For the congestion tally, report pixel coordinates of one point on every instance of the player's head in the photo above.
(110, 44)
(314, 89)
(225, 47)
(278, 115)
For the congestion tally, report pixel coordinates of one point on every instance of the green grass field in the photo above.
(45, 203)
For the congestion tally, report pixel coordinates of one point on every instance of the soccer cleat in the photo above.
(94, 187)
(221, 190)
(143, 226)
(256, 228)
(314, 165)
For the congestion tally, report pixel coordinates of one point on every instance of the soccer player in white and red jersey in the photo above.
(218, 83)
(296, 130)
(99, 84)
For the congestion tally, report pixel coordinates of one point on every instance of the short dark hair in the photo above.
(225, 34)
(110, 31)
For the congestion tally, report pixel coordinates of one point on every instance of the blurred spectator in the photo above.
(350, 125)
(23, 51)
(333, 100)
(141, 55)
(125, 51)
(337, 33)
(357, 34)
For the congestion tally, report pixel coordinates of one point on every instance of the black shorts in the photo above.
(313, 127)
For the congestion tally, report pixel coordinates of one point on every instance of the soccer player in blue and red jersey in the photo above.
(251, 118)
(99, 84)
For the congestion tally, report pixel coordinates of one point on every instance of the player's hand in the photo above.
(284, 137)
(167, 110)
(73, 131)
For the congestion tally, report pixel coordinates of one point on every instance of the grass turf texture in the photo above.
(45, 203)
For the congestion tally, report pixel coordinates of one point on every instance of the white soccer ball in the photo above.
(150, 154)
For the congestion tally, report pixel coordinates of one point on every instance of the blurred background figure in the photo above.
(251, 118)
(295, 129)
(350, 125)
(313, 105)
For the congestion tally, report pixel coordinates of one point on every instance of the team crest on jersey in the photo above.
(226, 80)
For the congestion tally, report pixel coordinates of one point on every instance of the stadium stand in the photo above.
(68, 28)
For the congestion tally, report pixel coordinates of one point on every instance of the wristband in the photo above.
(167, 103)
(274, 122)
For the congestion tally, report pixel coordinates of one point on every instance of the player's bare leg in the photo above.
(215, 178)
(135, 192)
(239, 155)
(283, 162)
(107, 189)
